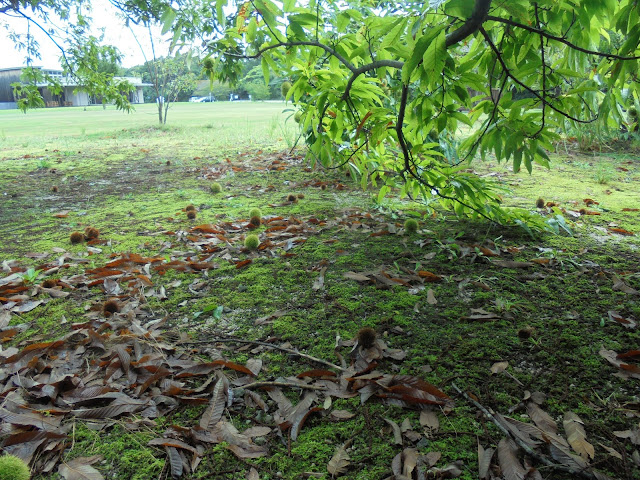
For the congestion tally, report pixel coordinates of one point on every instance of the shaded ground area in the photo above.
(525, 327)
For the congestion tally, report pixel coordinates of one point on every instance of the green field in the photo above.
(332, 261)
(231, 121)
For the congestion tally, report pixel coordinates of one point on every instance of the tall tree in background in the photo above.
(385, 87)
(84, 58)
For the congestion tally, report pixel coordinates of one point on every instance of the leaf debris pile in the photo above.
(118, 368)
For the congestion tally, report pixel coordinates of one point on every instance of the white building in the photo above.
(72, 95)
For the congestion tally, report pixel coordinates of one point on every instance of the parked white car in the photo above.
(202, 99)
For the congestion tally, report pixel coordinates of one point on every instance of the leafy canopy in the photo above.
(386, 88)
(84, 58)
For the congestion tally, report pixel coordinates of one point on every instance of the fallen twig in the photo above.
(530, 451)
(265, 344)
(282, 384)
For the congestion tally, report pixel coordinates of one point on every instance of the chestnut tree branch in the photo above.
(562, 40)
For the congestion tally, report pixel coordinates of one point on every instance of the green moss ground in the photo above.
(121, 183)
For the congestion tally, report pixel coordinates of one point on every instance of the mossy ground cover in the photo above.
(548, 320)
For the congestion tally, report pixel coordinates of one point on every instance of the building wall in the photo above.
(46, 95)
(78, 99)
(67, 98)
(140, 95)
(7, 77)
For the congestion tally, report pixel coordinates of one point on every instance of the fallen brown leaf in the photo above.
(429, 419)
(81, 469)
(574, 428)
(499, 367)
(397, 433)
(512, 264)
(511, 467)
(340, 462)
(342, 415)
(431, 298)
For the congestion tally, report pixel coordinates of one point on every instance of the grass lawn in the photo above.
(522, 324)
(233, 121)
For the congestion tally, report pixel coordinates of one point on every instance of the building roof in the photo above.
(70, 82)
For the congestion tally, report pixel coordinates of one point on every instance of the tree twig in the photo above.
(544, 76)
(516, 80)
(281, 384)
(562, 40)
(311, 43)
(265, 344)
(530, 451)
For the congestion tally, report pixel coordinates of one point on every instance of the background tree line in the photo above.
(187, 74)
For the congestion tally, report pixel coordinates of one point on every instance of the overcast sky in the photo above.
(104, 15)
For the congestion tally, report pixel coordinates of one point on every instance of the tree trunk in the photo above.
(159, 110)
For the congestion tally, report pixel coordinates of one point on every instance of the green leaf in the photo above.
(251, 29)
(460, 8)
(517, 160)
(392, 37)
(524, 50)
(527, 163)
(268, 11)
(342, 21)
(557, 222)
(220, 12)
(265, 69)
(308, 19)
(296, 28)
(544, 161)
(177, 31)
(383, 192)
(418, 52)
(518, 9)
(167, 19)
(434, 58)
